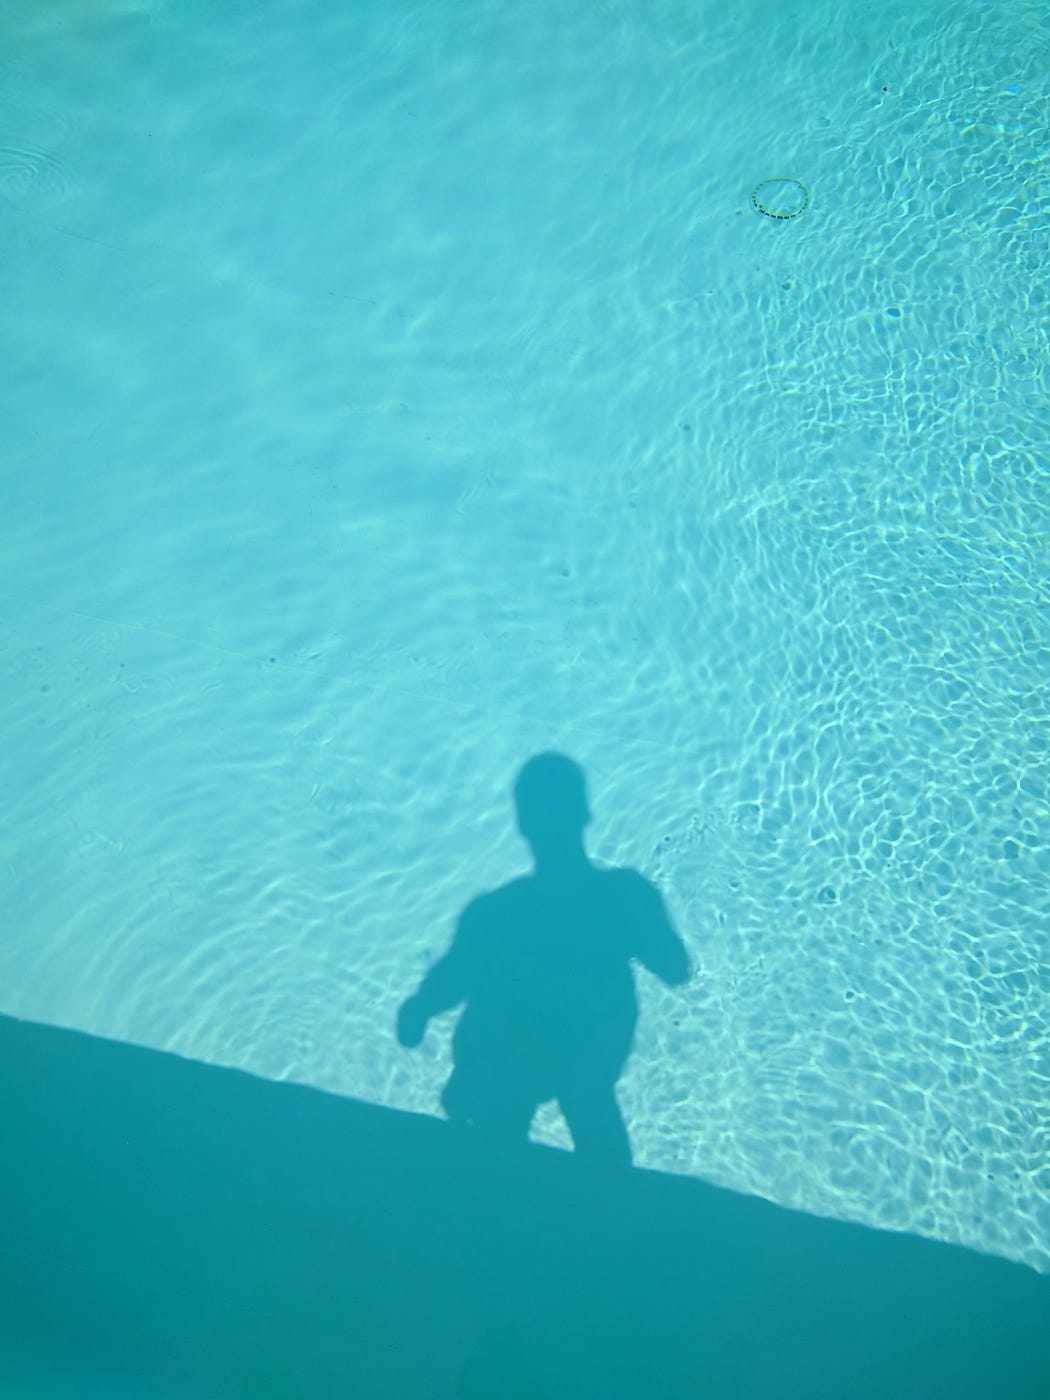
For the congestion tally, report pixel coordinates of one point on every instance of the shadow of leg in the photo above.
(491, 1103)
(599, 1134)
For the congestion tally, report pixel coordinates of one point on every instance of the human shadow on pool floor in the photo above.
(543, 969)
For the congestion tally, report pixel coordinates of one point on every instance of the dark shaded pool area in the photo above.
(180, 1230)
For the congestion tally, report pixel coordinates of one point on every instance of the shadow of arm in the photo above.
(660, 949)
(443, 987)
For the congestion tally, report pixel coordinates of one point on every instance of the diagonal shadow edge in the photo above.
(198, 1231)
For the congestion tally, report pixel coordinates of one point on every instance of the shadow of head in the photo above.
(550, 795)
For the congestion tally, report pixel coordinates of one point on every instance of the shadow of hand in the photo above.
(411, 1023)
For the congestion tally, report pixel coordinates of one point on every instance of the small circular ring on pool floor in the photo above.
(779, 197)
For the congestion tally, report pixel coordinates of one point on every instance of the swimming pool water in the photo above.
(393, 393)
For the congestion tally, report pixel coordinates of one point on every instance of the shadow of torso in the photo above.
(550, 996)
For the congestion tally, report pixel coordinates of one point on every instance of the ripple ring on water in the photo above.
(779, 197)
(30, 176)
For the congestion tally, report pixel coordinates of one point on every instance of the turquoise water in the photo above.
(395, 392)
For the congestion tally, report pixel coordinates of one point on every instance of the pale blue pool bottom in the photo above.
(391, 396)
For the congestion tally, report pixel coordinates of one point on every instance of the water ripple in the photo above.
(33, 177)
